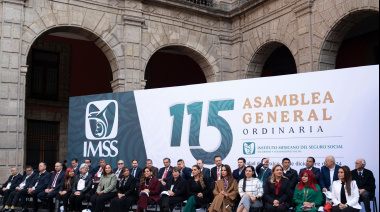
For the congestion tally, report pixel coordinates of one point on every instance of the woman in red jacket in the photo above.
(149, 189)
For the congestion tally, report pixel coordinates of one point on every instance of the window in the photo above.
(45, 75)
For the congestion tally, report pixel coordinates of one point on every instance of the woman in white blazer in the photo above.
(345, 192)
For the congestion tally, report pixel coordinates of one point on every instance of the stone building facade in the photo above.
(229, 40)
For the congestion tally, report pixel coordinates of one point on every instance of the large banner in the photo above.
(314, 114)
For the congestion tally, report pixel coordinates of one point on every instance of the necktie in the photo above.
(262, 177)
(117, 173)
(134, 172)
(166, 172)
(343, 198)
(360, 174)
(218, 175)
(55, 180)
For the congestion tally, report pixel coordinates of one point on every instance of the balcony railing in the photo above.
(207, 3)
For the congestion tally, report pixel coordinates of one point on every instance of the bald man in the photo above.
(329, 173)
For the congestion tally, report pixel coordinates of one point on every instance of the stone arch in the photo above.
(256, 65)
(197, 56)
(333, 39)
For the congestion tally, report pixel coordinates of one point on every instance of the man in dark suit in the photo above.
(75, 165)
(329, 174)
(239, 173)
(366, 183)
(263, 171)
(98, 171)
(185, 172)
(149, 164)
(216, 171)
(290, 173)
(89, 164)
(36, 187)
(22, 188)
(206, 171)
(165, 173)
(119, 169)
(53, 187)
(310, 166)
(13, 181)
(136, 171)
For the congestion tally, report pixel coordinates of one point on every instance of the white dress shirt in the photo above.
(332, 171)
(352, 201)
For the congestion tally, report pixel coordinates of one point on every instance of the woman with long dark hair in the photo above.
(345, 192)
(66, 188)
(198, 189)
(126, 192)
(225, 192)
(308, 193)
(277, 191)
(250, 190)
(149, 189)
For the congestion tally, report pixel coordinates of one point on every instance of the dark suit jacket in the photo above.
(238, 176)
(180, 186)
(59, 181)
(128, 188)
(29, 181)
(137, 175)
(260, 172)
(169, 175)
(193, 189)
(77, 171)
(14, 182)
(366, 181)
(186, 173)
(94, 171)
(283, 197)
(206, 174)
(120, 174)
(316, 172)
(293, 177)
(155, 171)
(43, 182)
(88, 184)
(63, 187)
(325, 182)
(214, 174)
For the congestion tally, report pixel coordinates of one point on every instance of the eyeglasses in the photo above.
(120, 163)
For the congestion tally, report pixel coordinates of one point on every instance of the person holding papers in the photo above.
(126, 192)
(149, 189)
(198, 188)
(345, 192)
(106, 189)
(82, 185)
(226, 191)
(308, 194)
(174, 191)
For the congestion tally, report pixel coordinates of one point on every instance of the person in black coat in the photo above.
(263, 172)
(165, 172)
(22, 188)
(366, 183)
(53, 187)
(198, 190)
(66, 188)
(277, 191)
(290, 173)
(13, 181)
(119, 170)
(176, 188)
(310, 166)
(136, 172)
(185, 172)
(126, 192)
(39, 185)
(206, 171)
(80, 191)
(239, 173)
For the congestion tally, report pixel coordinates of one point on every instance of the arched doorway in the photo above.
(272, 59)
(176, 66)
(352, 42)
(63, 62)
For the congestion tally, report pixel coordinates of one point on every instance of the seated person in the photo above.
(251, 191)
(149, 185)
(176, 187)
(126, 192)
(198, 188)
(366, 183)
(308, 193)
(13, 181)
(39, 185)
(66, 188)
(14, 196)
(106, 189)
(345, 192)
(81, 187)
(226, 191)
(277, 191)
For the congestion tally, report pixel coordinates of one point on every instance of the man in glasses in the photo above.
(118, 170)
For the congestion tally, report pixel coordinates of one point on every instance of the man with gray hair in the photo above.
(329, 173)
(149, 164)
(13, 181)
(366, 182)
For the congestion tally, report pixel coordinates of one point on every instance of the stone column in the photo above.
(12, 87)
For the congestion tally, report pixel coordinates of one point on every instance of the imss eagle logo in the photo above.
(102, 120)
